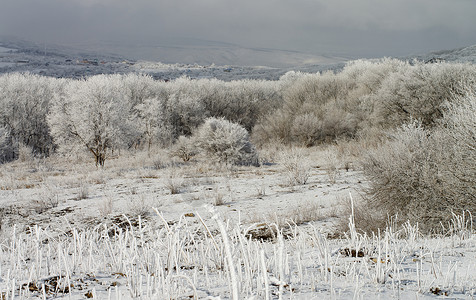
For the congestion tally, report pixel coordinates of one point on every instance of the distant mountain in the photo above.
(192, 58)
(202, 52)
(57, 61)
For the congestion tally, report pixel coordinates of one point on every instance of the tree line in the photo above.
(106, 113)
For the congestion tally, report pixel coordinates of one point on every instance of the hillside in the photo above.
(56, 61)
(461, 55)
(191, 58)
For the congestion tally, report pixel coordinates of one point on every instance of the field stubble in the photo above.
(182, 244)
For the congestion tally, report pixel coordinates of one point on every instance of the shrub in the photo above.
(48, 199)
(366, 95)
(175, 181)
(306, 128)
(225, 142)
(184, 148)
(402, 174)
(332, 166)
(139, 206)
(25, 153)
(365, 220)
(425, 175)
(272, 128)
(296, 166)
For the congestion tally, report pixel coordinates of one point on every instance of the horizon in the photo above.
(368, 29)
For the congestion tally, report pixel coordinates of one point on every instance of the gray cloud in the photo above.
(349, 27)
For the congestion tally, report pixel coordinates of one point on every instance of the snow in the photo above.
(6, 64)
(181, 232)
(4, 49)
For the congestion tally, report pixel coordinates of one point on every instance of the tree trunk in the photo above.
(100, 159)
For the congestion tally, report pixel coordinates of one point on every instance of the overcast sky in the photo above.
(357, 28)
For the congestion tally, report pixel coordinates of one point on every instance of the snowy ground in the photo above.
(140, 183)
(69, 231)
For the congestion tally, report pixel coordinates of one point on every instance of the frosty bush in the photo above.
(296, 166)
(316, 109)
(25, 153)
(184, 148)
(306, 129)
(225, 142)
(425, 175)
(400, 172)
(457, 153)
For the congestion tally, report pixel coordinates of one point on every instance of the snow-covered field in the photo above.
(6, 64)
(149, 227)
(4, 49)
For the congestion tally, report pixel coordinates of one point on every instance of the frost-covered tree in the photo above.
(457, 132)
(367, 76)
(24, 104)
(189, 102)
(184, 110)
(139, 91)
(95, 114)
(150, 121)
(138, 88)
(248, 100)
(316, 108)
(418, 92)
